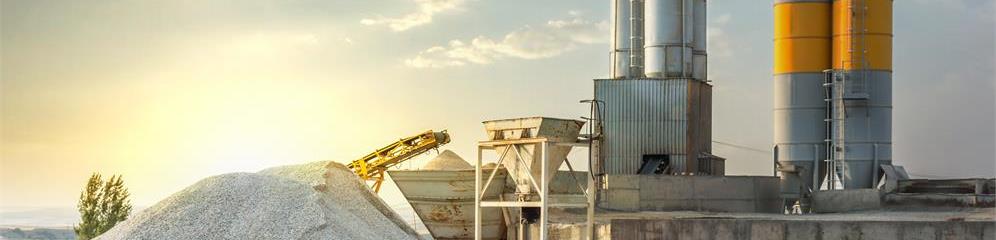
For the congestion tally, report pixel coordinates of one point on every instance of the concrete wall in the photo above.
(816, 230)
(691, 193)
(846, 200)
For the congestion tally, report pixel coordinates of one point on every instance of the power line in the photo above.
(743, 147)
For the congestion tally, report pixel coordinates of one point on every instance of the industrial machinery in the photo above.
(373, 165)
(531, 150)
(833, 94)
(656, 107)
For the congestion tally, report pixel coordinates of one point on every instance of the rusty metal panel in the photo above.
(444, 200)
(653, 116)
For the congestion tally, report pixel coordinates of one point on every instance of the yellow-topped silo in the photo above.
(861, 91)
(862, 35)
(802, 52)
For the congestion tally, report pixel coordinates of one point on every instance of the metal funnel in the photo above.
(523, 155)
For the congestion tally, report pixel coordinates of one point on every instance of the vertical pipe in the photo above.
(621, 39)
(699, 45)
(477, 196)
(590, 218)
(874, 165)
(684, 19)
(636, 38)
(544, 191)
(816, 168)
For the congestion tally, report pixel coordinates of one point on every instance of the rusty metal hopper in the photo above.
(529, 155)
(444, 200)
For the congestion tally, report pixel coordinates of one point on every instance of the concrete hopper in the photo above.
(444, 200)
(523, 157)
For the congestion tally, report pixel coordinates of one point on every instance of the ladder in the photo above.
(844, 86)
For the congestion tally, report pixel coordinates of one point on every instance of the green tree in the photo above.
(102, 205)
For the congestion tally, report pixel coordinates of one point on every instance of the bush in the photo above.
(102, 205)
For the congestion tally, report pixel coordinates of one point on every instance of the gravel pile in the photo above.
(448, 160)
(276, 203)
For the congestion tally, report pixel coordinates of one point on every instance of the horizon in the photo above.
(168, 93)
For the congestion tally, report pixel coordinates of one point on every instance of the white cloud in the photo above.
(719, 42)
(423, 15)
(554, 38)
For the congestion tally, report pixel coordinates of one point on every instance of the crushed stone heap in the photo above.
(448, 160)
(276, 203)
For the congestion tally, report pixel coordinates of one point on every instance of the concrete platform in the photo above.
(626, 192)
(953, 224)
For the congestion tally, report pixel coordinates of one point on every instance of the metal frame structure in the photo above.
(373, 165)
(542, 187)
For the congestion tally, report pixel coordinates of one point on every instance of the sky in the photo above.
(168, 92)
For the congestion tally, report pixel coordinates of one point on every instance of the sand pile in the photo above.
(448, 160)
(276, 203)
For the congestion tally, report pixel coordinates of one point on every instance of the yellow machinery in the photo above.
(373, 165)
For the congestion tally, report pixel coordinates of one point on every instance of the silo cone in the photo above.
(553, 129)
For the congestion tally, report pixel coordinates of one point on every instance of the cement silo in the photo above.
(627, 32)
(802, 45)
(658, 121)
(861, 90)
(832, 93)
(668, 31)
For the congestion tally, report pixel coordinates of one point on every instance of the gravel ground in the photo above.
(276, 203)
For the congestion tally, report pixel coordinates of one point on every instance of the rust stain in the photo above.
(444, 213)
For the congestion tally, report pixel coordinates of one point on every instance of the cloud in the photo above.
(426, 10)
(719, 42)
(552, 39)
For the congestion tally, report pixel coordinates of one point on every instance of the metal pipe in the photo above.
(544, 192)
(683, 43)
(816, 168)
(875, 165)
(477, 195)
(615, 43)
(636, 38)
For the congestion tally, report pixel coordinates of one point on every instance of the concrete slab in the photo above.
(846, 200)
(696, 193)
(802, 231)
(621, 199)
(933, 225)
(766, 230)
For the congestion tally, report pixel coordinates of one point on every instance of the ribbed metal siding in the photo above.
(652, 116)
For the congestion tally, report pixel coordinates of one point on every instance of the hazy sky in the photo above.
(169, 92)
